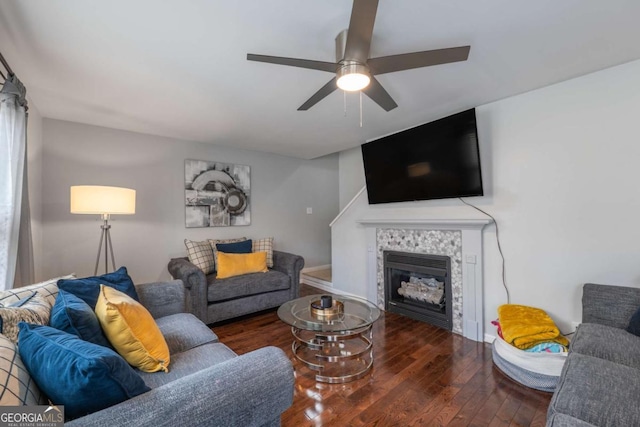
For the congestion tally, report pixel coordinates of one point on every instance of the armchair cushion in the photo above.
(88, 288)
(245, 285)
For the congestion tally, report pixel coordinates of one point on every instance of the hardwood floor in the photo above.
(422, 376)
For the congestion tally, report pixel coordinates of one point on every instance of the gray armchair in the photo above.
(213, 300)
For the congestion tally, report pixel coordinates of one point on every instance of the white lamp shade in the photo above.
(96, 199)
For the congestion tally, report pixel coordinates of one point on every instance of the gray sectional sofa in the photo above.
(207, 383)
(213, 300)
(600, 381)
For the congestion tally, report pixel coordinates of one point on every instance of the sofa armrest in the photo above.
(195, 283)
(162, 298)
(609, 305)
(290, 265)
(248, 390)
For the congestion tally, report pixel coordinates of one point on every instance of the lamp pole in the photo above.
(105, 237)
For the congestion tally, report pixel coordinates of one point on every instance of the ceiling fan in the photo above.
(354, 70)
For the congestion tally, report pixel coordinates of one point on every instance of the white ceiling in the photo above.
(178, 68)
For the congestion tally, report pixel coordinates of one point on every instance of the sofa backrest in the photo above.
(609, 305)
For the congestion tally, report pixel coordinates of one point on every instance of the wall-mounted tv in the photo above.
(437, 160)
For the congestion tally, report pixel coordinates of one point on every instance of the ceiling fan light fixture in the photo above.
(353, 77)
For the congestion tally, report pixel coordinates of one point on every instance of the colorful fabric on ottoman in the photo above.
(525, 327)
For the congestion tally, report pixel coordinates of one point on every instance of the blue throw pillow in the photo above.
(82, 376)
(243, 247)
(71, 314)
(634, 323)
(88, 289)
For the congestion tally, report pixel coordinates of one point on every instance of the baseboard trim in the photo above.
(329, 288)
(489, 338)
(320, 284)
(315, 282)
(316, 268)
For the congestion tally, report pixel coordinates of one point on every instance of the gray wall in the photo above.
(76, 154)
(351, 174)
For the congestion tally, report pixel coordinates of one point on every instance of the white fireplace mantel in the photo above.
(430, 224)
(472, 277)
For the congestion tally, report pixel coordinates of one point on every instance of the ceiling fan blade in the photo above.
(363, 16)
(407, 61)
(320, 95)
(376, 92)
(294, 62)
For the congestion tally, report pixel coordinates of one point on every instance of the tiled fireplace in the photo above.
(458, 240)
(418, 286)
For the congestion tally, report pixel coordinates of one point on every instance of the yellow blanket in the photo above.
(524, 327)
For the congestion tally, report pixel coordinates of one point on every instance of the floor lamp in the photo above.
(104, 201)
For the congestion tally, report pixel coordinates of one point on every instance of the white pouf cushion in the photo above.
(540, 371)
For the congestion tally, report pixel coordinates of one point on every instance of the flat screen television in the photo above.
(437, 160)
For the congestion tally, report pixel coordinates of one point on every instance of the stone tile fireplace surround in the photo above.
(459, 239)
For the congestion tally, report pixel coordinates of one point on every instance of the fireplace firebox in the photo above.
(419, 286)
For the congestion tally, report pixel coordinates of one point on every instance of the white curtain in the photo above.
(13, 121)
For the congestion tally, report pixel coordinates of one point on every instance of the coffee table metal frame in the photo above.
(315, 339)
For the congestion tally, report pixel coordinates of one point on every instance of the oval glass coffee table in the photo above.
(337, 342)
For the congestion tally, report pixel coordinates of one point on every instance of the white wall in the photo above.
(351, 175)
(561, 167)
(34, 179)
(74, 154)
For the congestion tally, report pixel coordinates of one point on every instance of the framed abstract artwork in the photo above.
(216, 194)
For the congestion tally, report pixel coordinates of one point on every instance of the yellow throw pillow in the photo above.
(131, 330)
(230, 265)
